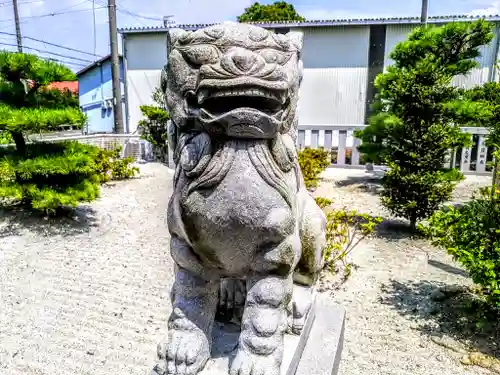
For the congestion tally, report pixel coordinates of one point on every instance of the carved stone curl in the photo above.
(247, 238)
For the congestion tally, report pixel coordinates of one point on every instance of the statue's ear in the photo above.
(296, 38)
(174, 35)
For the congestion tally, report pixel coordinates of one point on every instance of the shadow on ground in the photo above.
(447, 310)
(447, 268)
(370, 185)
(15, 219)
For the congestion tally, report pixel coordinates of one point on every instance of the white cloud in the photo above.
(493, 8)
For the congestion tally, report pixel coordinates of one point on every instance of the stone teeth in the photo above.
(202, 96)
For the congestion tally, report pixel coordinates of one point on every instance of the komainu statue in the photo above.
(246, 236)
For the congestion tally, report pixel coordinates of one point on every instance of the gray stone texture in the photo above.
(246, 236)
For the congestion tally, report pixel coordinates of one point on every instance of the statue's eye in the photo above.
(200, 54)
(277, 57)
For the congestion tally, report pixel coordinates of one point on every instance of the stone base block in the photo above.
(316, 351)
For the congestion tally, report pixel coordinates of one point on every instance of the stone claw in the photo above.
(187, 352)
(248, 363)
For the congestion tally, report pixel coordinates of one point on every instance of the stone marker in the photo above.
(246, 236)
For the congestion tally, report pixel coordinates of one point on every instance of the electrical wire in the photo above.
(64, 62)
(49, 52)
(52, 44)
(57, 13)
(20, 3)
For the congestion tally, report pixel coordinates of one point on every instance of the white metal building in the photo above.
(341, 60)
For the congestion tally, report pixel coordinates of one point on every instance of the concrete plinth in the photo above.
(316, 351)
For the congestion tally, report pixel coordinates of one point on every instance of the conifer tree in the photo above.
(43, 174)
(418, 113)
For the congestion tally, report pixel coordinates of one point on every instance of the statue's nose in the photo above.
(244, 60)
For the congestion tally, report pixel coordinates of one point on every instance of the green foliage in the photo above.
(416, 195)
(489, 95)
(323, 202)
(154, 127)
(38, 119)
(50, 175)
(27, 105)
(44, 175)
(110, 166)
(344, 231)
(471, 234)
(53, 175)
(312, 162)
(417, 115)
(278, 11)
(5, 138)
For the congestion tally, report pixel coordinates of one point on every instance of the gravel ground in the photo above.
(89, 295)
(391, 314)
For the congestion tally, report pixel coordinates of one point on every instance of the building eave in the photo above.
(320, 23)
(94, 64)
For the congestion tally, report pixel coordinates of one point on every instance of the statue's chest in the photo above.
(242, 199)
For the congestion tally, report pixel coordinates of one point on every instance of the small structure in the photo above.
(95, 93)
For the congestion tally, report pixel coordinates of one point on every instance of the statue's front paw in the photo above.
(249, 363)
(187, 352)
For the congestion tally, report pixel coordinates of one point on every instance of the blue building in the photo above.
(95, 92)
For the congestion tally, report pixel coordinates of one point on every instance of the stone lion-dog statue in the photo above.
(246, 236)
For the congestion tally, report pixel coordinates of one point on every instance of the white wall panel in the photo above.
(333, 96)
(146, 55)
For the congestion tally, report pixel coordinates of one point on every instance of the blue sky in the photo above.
(71, 24)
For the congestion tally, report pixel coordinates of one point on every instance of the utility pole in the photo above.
(424, 15)
(18, 26)
(115, 69)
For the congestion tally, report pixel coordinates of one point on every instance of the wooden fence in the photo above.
(341, 141)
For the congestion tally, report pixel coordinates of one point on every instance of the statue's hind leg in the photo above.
(312, 237)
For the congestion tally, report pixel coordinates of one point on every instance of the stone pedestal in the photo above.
(316, 351)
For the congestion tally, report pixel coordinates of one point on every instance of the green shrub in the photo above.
(344, 231)
(5, 138)
(153, 127)
(417, 195)
(312, 162)
(471, 234)
(323, 202)
(110, 166)
(417, 115)
(50, 175)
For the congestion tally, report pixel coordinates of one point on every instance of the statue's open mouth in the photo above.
(242, 111)
(223, 101)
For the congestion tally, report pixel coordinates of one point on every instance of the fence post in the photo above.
(482, 151)
(342, 147)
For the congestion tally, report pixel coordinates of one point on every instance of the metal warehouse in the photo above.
(341, 60)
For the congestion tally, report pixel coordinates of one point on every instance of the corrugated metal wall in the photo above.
(399, 33)
(333, 90)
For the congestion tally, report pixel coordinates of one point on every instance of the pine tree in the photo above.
(417, 116)
(43, 174)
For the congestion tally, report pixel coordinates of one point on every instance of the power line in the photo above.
(64, 62)
(49, 52)
(51, 44)
(20, 3)
(54, 14)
